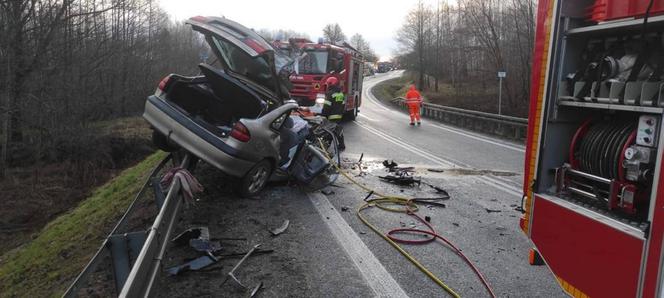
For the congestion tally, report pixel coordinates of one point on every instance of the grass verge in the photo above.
(389, 89)
(46, 265)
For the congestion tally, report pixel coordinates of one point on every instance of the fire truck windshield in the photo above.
(313, 62)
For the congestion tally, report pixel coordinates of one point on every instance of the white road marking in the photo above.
(376, 276)
(422, 153)
(367, 117)
(497, 183)
(481, 138)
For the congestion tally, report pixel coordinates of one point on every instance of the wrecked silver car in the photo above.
(238, 116)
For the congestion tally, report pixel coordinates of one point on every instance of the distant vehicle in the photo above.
(384, 67)
(232, 115)
(315, 64)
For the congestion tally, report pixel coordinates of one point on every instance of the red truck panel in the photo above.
(605, 10)
(653, 258)
(597, 259)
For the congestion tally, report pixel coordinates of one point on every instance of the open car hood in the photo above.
(244, 54)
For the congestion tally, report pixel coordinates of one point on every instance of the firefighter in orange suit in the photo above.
(414, 101)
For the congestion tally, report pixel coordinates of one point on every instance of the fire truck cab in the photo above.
(593, 181)
(319, 61)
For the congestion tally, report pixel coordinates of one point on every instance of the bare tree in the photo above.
(67, 63)
(465, 45)
(363, 46)
(333, 33)
(413, 36)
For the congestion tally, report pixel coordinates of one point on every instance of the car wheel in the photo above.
(254, 181)
(161, 142)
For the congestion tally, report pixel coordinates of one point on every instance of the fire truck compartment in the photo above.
(601, 137)
(594, 184)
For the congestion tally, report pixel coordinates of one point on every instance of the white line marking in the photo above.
(492, 181)
(417, 151)
(481, 138)
(368, 118)
(376, 276)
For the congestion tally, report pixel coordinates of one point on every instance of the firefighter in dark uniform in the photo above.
(333, 108)
(334, 100)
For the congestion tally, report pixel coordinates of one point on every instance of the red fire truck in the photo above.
(316, 62)
(593, 181)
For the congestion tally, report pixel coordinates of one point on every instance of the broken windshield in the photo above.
(313, 62)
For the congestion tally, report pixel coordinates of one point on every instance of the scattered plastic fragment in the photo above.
(280, 229)
(427, 218)
(205, 245)
(198, 239)
(492, 210)
(327, 192)
(390, 164)
(256, 289)
(193, 233)
(436, 170)
(193, 265)
(344, 208)
(431, 201)
(231, 274)
(400, 178)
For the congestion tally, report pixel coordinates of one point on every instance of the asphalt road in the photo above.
(328, 251)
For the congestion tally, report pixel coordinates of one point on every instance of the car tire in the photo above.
(161, 142)
(254, 181)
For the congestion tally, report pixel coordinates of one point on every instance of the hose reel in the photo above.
(597, 165)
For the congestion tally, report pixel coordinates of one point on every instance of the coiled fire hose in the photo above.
(406, 205)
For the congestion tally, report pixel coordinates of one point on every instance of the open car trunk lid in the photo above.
(244, 55)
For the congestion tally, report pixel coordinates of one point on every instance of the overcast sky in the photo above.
(378, 21)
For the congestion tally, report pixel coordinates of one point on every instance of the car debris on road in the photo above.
(231, 274)
(198, 239)
(401, 178)
(193, 265)
(277, 231)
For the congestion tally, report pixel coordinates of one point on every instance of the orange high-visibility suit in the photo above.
(413, 100)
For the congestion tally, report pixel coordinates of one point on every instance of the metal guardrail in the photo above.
(505, 126)
(136, 256)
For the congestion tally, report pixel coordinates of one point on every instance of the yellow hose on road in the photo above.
(380, 203)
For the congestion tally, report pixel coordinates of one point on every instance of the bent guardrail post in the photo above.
(506, 126)
(143, 273)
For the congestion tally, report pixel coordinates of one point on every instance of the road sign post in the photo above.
(501, 75)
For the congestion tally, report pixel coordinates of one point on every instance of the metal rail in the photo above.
(136, 256)
(506, 126)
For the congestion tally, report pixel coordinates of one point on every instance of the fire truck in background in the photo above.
(593, 180)
(315, 63)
